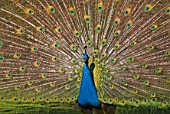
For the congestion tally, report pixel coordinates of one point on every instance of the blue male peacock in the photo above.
(127, 60)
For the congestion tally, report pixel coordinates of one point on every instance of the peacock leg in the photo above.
(108, 109)
(85, 110)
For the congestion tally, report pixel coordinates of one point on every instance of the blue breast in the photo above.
(88, 93)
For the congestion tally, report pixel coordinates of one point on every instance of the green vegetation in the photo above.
(8, 107)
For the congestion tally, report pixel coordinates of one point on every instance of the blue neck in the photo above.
(88, 93)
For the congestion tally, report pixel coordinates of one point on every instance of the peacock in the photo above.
(94, 53)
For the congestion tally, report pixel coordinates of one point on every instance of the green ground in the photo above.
(58, 108)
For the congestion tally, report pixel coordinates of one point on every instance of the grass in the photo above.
(64, 108)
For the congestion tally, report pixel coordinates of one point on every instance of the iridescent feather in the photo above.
(41, 44)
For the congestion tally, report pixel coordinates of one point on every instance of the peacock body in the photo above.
(128, 42)
(88, 94)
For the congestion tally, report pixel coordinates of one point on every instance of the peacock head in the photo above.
(85, 56)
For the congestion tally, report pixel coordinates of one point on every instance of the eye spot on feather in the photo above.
(167, 11)
(136, 76)
(38, 89)
(117, 33)
(89, 43)
(71, 11)
(151, 47)
(98, 28)
(102, 65)
(2, 98)
(105, 71)
(127, 11)
(116, 47)
(95, 52)
(70, 78)
(148, 8)
(1, 44)
(133, 44)
(1, 58)
(145, 100)
(34, 49)
(37, 63)
(123, 102)
(24, 99)
(158, 70)
(87, 19)
(61, 70)
(146, 82)
(54, 59)
(22, 68)
(116, 99)
(116, 22)
(17, 55)
(55, 45)
(131, 59)
(73, 47)
(125, 83)
(17, 88)
(130, 100)
(73, 61)
(122, 69)
(167, 53)
(167, 80)
(67, 87)
(129, 24)
(77, 70)
(165, 103)
(153, 27)
(135, 91)
(40, 29)
(76, 33)
(100, 7)
(15, 99)
(103, 55)
(113, 60)
(9, 75)
(59, 30)
(29, 11)
(103, 43)
(153, 94)
(20, 31)
(30, 82)
(56, 99)
(33, 100)
(44, 75)
(50, 9)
